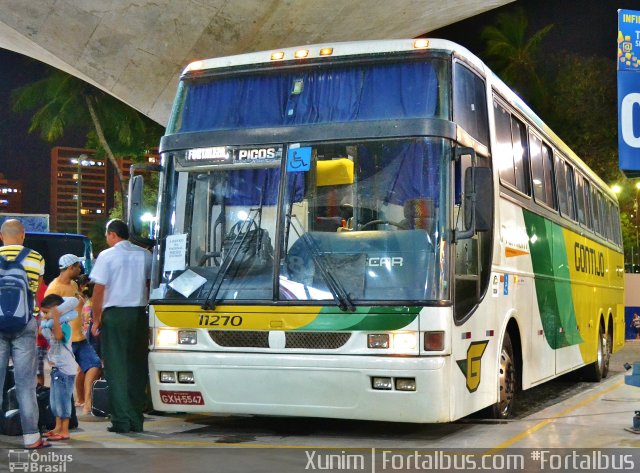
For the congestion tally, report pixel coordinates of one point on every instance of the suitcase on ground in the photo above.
(100, 398)
(10, 423)
(10, 400)
(47, 420)
(9, 380)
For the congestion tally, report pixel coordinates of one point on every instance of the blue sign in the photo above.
(629, 92)
(299, 159)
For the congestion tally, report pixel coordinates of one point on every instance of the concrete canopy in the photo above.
(136, 50)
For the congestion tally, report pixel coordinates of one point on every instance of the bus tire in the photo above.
(599, 368)
(608, 350)
(507, 381)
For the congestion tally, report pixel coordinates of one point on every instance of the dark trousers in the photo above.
(124, 342)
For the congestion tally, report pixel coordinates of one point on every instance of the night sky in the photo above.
(583, 26)
(25, 156)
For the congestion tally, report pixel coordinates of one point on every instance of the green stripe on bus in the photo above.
(364, 318)
(552, 281)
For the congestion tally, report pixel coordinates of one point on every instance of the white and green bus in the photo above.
(372, 230)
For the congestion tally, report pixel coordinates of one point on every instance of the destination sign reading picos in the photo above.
(231, 155)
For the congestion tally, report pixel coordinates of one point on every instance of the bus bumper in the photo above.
(303, 385)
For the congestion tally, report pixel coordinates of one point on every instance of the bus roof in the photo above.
(331, 50)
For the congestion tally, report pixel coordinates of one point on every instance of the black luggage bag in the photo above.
(100, 398)
(47, 420)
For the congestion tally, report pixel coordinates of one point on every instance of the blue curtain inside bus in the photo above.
(389, 91)
(258, 186)
(404, 170)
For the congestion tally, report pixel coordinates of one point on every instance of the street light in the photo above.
(82, 161)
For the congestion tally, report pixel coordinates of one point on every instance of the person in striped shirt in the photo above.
(21, 346)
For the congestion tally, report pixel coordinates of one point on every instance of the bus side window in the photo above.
(520, 154)
(571, 192)
(587, 204)
(582, 214)
(547, 161)
(503, 154)
(470, 103)
(564, 188)
(537, 169)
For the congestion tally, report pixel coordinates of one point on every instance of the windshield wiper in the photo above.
(336, 288)
(227, 262)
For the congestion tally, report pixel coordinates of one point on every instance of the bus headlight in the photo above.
(170, 337)
(378, 340)
(167, 337)
(187, 337)
(404, 342)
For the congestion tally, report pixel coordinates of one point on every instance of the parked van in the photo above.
(53, 245)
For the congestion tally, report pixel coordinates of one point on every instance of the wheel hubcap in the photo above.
(507, 377)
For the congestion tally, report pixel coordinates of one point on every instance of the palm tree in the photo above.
(63, 101)
(514, 56)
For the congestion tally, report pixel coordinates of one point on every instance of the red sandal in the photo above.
(41, 443)
(56, 437)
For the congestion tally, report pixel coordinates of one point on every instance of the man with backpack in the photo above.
(21, 271)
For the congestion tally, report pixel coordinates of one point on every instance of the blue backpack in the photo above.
(16, 300)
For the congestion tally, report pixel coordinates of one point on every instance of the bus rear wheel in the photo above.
(507, 381)
(599, 368)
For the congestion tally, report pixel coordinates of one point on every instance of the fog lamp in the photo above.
(167, 377)
(186, 377)
(381, 383)
(405, 384)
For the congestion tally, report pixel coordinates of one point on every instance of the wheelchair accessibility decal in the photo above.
(299, 159)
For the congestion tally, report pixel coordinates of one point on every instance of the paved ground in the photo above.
(564, 413)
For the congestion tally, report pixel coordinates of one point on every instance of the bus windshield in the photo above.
(349, 222)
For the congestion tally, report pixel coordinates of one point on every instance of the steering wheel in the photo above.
(235, 229)
(382, 222)
(215, 255)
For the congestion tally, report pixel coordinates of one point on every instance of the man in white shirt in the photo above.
(121, 274)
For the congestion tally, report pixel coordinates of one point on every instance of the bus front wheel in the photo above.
(507, 381)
